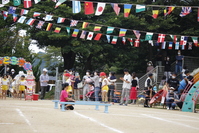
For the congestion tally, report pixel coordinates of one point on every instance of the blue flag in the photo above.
(12, 10)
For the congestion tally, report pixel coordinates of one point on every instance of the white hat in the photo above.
(45, 70)
(12, 70)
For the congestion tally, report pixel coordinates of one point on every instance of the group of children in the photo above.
(15, 86)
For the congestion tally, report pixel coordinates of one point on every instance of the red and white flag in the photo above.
(100, 9)
(183, 40)
(90, 36)
(137, 43)
(27, 3)
(161, 38)
(124, 40)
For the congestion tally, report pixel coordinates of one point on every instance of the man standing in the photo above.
(179, 63)
(44, 78)
(126, 87)
(13, 74)
(148, 86)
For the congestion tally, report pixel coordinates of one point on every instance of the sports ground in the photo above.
(19, 116)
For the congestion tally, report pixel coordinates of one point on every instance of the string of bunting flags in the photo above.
(89, 7)
(133, 41)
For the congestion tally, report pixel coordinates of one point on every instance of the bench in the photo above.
(97, 104)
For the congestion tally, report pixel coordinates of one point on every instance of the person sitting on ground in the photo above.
(148, 84)
(92, 88)
(173, 82)
(171, 98)
(64, 97)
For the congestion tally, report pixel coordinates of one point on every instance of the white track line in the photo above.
(101, 124)
(6, 123)
(27, 121)
(161, 119)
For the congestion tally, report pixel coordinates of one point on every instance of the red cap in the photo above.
(102, 74)
(67, 74)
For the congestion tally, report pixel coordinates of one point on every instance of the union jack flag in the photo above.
(185, 11)
(73, 23)
(40, 24)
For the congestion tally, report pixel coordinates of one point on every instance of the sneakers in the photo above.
(168, 108)
(120, 104)
(125, 105)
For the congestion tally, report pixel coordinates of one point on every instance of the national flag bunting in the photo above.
(73, 23)
(57, 30)
(183, 40)
(109, 30)
(37, 1)
(40, 24)
(137, 43)
(116, 8)
(36, 14)
(108, 38)
(12, 10)
(88, 8)
(21, 19)
(97, 28)
(98, 36)
(14, 17)
(127, 9)
(60, 20)
(170, 45)
(75, 32)
(100, 8)
(5, 15)
(68, 30)
(177, 45)
(114, 40)
(76, 6)
(148, 36)
(174, 37)
(155, 13)
(195, 41)
(30, 21)
(163, 45)
(84, 25)
(168, 10)
(140, 8)
(83, 34)
(59, 2)
(49, 26)
(185, 11)
(90, 36)
(24, 11)
(124, 40)
(27, 3)
(48, 18)
(190, 46)
(131, 41)
(183, 47)
(5, 1)
(137, 34)
(122, 32)
(17, 2)
(161, 38)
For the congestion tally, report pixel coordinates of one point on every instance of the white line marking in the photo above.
(161, 119)
(27, 121)
(101, 124)
(6, 123)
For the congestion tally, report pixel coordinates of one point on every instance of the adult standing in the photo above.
(86, 80)
(76, 89)
(167, 68)
(134, 84)
(148, 85)
(178, 67)
(12, 73)
(112, 79)
(149, 67)
(125, 87)
(44, 78)
(95, 79)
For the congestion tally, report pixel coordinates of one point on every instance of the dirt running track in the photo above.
(19, 116)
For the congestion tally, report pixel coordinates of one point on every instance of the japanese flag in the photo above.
(27, 3)
(100, 9)
(90, 36)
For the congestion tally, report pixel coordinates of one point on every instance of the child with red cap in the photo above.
(104, 87)
(68, 80)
